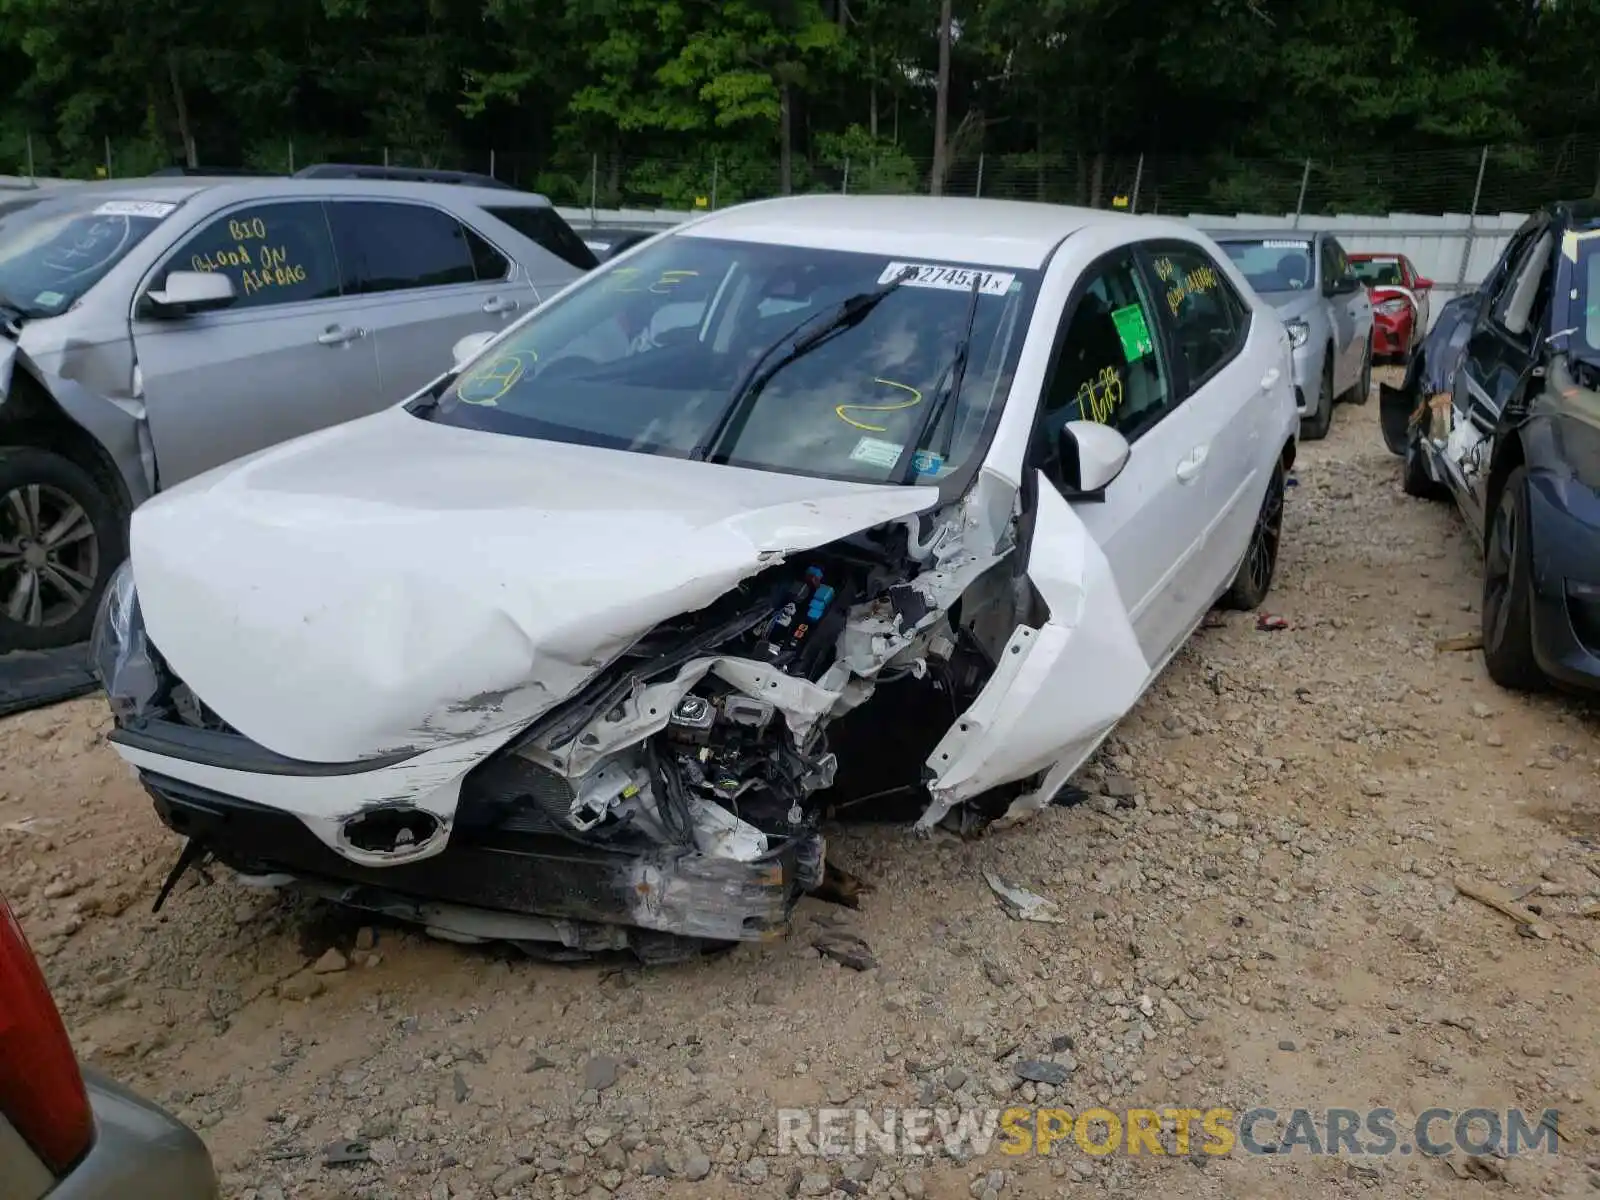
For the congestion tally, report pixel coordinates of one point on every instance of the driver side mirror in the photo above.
(1345, 285)
(469, 347)
(1423, 285)
(190, 292)
(1092, 455)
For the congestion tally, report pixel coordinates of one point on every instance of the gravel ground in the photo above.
(1257, 906)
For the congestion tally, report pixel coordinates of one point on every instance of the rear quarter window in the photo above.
(546, 229)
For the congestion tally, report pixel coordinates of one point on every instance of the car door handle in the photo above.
(1189, 466)
(336, 335)
(497, 305)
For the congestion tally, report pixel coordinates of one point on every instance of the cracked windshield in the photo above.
(53, 250)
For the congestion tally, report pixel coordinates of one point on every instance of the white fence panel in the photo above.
(1454, 250)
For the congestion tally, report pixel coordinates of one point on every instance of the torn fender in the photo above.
(393, 584)
(1399, 411)
(1058, 690)
(116, 424)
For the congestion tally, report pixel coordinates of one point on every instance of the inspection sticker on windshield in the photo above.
(951, 279)
(876, 452)
(153, 209)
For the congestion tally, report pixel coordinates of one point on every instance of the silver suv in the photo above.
(152, 329)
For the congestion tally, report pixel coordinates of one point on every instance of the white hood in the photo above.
(392, 583)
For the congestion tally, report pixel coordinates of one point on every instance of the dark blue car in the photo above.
(1500, 411)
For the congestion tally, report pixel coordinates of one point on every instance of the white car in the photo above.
(576, 645)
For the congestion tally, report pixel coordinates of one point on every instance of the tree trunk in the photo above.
(1038, 168)
(1097, 179)
(180, 106)
(872, 95)
(785, 141)
(941, 106)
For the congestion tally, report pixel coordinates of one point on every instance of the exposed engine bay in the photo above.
(723, 769)
(679, 794)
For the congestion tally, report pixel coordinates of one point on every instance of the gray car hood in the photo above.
(1293, 304)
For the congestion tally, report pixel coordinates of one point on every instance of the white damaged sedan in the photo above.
(810, 503)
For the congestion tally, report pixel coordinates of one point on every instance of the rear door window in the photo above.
(274, 253)
(545, 228)
(388, 247)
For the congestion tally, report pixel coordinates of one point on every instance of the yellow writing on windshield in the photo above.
(632, 279)
(243, 231)
(486, 385)
(894, 406)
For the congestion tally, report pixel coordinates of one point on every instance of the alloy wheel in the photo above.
(49, 555)
(1261, 560)
(1499, 553)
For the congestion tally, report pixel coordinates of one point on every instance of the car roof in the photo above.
(179, 188)
(1017, 234)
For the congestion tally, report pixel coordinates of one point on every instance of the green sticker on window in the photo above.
(1135, 334)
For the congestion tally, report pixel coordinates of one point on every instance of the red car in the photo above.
(1399, 302)
(69, 1133)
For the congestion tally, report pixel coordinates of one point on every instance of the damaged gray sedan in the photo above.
(811, 503)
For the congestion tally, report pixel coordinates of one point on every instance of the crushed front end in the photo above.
(671, 802)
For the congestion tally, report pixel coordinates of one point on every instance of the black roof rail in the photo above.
(409, 174)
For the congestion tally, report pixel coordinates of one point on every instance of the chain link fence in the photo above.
(1469, 179)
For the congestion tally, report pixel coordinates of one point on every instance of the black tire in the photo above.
(1361, 391)
(1508, 591)
(1414, 477)
(50, 591)
(1260, 566)
(1315, 427)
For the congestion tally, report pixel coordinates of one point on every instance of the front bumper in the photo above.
(139, 1150)
(584, 896)
(1392, 335)
(1307, 360)
(1566, 622)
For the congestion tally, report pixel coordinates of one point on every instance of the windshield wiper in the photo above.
(947, 396)
(12, 314)
(847, 314)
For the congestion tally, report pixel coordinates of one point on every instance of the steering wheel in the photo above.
(677, 335)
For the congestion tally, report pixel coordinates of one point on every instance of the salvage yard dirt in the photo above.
(1258, 907)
